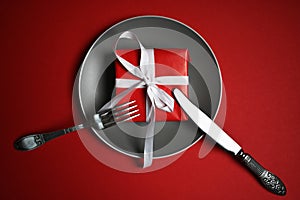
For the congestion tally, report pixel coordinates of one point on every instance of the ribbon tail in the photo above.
(148, 152)
(161, 99)
(148, 147)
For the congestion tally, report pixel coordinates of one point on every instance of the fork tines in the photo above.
(120, 113)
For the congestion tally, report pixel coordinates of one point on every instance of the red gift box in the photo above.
(168, 62)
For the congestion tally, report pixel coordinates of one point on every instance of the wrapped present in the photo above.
(170, 70)
(149, 76)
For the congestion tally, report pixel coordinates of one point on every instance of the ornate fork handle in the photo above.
(34, 141)
(103, 119)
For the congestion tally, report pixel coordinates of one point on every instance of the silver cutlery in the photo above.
(102, 120)
(270, 181)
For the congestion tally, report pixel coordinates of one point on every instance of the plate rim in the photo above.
(136, 18)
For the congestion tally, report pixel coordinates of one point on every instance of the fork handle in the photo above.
(33, 141)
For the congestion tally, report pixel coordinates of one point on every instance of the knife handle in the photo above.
(270, 181)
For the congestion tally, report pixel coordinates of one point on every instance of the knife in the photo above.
(270, 181)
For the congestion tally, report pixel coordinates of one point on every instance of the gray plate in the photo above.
(95, 84)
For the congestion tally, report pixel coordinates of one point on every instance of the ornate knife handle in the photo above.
(270, 181)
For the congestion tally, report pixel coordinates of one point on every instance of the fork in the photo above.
(102, 120)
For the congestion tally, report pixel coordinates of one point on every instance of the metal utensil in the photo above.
(270, 181)
(102, 120)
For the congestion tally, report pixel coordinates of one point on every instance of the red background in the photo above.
(42, 46)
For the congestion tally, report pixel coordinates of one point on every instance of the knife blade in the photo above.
(206, 124)
(270, 181)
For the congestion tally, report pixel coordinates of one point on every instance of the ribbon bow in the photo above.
(146, 72)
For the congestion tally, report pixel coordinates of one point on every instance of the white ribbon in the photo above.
(158, 97)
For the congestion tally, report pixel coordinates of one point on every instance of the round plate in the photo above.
(95, 84)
